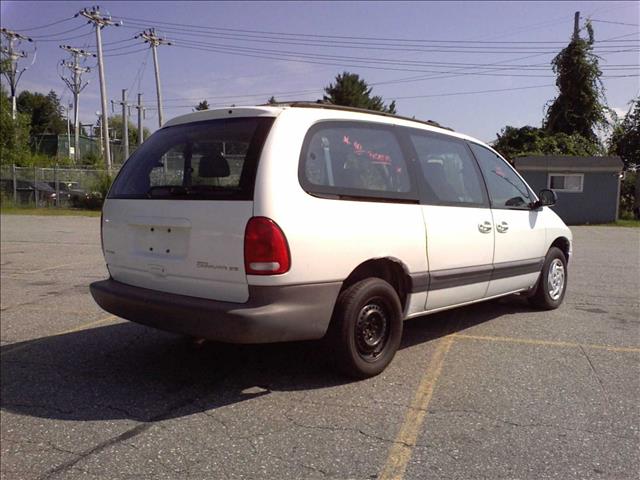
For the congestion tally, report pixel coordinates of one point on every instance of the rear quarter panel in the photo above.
(328, 238)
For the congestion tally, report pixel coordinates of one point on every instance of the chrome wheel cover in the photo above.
(555, 279)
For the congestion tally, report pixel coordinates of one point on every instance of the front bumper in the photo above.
(272, 314)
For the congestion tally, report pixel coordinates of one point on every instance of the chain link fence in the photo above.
(51, 186)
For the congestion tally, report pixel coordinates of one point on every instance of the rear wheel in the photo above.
(552, 284)
(366, 328)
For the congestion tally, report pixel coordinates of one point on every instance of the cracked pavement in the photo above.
(87, 396)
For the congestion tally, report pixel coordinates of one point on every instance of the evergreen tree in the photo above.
(203, 105)
(350, 90)
(45, 112)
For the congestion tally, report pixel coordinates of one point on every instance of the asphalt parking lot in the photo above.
(495, 390)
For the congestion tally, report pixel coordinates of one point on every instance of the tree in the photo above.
(580, 106)
(45, 112)
(203, 105)
(115, 124)
(14, 135)
(272, 100)
(516, 142)
(625, 141)
(350, 90)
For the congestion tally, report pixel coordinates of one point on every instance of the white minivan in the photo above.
(306, 221)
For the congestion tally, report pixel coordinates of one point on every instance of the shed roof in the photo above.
(569, 163)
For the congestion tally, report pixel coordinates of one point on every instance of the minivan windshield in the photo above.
(213, 159)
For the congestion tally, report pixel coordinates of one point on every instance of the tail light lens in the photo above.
(266, 251)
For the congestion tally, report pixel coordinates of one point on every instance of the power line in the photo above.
(451, 94)
(130, 39)
(441, 47)
(64, 39)
(47, 25)
(341, 37)
(125, 53)
(50, 35)
(338, 62)
(615, 23)
(376, 60)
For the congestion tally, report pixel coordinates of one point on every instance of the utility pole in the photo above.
(154, 41)
(99, 22)
(10, 53)
(576, 26)
(76, 86)
(68, 132)
(125, 122)
(141, 111)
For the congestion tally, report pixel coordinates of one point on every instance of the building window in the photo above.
(566, 182)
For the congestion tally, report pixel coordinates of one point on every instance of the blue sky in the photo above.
(225, 69)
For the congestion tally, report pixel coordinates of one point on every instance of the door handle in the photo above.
(502, 227)
(484, 227)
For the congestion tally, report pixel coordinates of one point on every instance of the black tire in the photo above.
(366, 328)
(543, 296)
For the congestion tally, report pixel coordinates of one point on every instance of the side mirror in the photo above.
(546, 198)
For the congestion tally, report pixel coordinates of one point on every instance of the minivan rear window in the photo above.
(213, 159)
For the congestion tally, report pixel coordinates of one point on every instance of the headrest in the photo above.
(213, 165)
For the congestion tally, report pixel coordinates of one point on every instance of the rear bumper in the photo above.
(272, 314)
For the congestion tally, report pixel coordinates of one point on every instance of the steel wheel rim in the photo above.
(555, 279)
(372, 330)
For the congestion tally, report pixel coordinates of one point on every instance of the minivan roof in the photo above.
(274, 109)
(331, 106)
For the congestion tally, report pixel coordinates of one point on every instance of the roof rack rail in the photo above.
(331, 106)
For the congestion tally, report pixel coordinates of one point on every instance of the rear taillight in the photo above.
(266, 251)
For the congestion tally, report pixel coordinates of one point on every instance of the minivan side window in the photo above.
(354, 158)
(506, 189)
(450, 175)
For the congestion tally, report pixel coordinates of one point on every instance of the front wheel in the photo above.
(366, 328)
(552, 284)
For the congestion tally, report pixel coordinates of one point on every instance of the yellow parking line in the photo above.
(400, 452)
(548, 343)
(84, 326)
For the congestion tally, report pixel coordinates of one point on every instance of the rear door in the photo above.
(175, 217)
(519, 230)
(458, 223)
